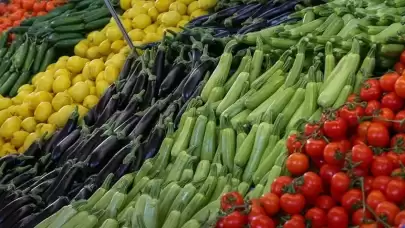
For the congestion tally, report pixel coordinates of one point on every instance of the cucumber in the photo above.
(66, 21)
(56, 37)
(19, 29)
(22, 79)
(48, 58)
(96, 14)
(70, 28)
(67, 43)
(6, 87)
(97, 24)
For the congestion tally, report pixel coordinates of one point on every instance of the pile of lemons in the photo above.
(77, 82)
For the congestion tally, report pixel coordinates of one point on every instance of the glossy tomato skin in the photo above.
(311, 185)
(337, 218)
(372, 107)
(317, 217)
(378, 135)
(381, 166)
(380, 183)
(340, 182)
(387, 81)
(270, 203)
(294, 143)
(325, 202)
(398, 127)
(384, 116)
(312, 129)
(294, 223)
(335, 129)
(370, 90)
(395, 191)
(392, 101)
(292, 203)
(351, 114)
(402, 57)
(362, 155)
(234, 220)
(230, 200)
(374, 198)
(350, 199)
(327, 171)
(363, 128)
(297, 163)
(399, 218)
(399, 67)
(400, 86)
(368, 183)
(359, 215)
(255, 209)
(334, 154)
(314, 147)
(388, 210)
(353, 98)
(262, 221)
(398, 140)
(279, 184)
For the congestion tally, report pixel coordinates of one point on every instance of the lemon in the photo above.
(171, 18)
(133, 12)
(137, 3)
(78, 78)
(206, 4)
(18, 138)
(63, 114)
(60, 64)
(90, 83)
(82, 110)
(79, 91)
(101, 86)
(1, 142)
(75, 64)
(10, 126)
(136, 34)
(43, 111)
(61, 99)
(180, 7)
(148, 4)
(6, 149)
(54, 118)
(47, 130)
(33, 99)
(125, 4)
(30, 139)
(29, 124)
(182, 24)
(59, 72)
(80, 49)
(117, 45)
(22, 94)
(198, 13)
(152, 37)
(5, 103)
(159, 19)
(17, 100)
(151, 28)
(13, 109)
(141, 21)
(90, 101)
(113, 34)
(153, 13)
(185, 18)
(111, 74)
(24, 110)
(100, 76)
(117, 60)
(104, 47)
(160, 30)
(93, 53)
(61, 83)
(4, 115)
(192, 7)
(95, 67)
(93, 90)
(26, 87)
(186, 2)
(50, 66)
(162, 5)
(45, 84)
(36, 78)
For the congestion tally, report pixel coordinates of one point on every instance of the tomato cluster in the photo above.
(17, 10)
(347, 170)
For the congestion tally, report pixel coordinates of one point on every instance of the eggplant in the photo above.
(125, 166)
(85, 192)
(26, 186)
(198, 21)
(5, 191)
(109, 110)
(158, 67)
(75, 147)
(126, 128)
(196, 52)
(127, 67)
(34, 149)
(24, 177)
(17, 171)
(64, 144)
(130, 109)
(150, 91)
(175, 75)
(196, 76)
(269, 5)
(155, 139)
(14, 205)
(75, 189)
(103, 152)
(127, 89)
(173, 108)
(94, 140)
(65, 182)
(42, 187)
(65, 169)
(47, 176)
(222, 14)
(287, 6)
(145, 122)
(18, 215)
(139, 85)
(70, 125)
(242, 14)
(93, 114)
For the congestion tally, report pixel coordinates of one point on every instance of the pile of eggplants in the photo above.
(125, 128)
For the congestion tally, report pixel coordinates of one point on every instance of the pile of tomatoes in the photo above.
(17, 10)
(347, 170)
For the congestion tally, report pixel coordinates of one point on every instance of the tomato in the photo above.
(353, 98)
(12, 7)
(400, 86)
(378, 135)
(255, 209)
(261, 221)
(381, 166)
(324, 202)
(334, 154)
(351, 114)
(294, 143)
(278, 185)
(39, 6)
(392, 101)
(41, 13)
(402, 57)
(230, 200)
(370, 90)
(312, 129)
(360, 216)
(374, 198)
(384, 115)
(395, 191)
(17, 15)
(399, 67)
(3, 8)
(314, 147)
(340, 182)
(394, 158)
(337, 218)
(317, 217)
(327, 171)
(335, 129)
(388, 210)
(381, 182)
(270, 203)
(387, 81)
(398, 174)
(292, 203)
(234, 220)
(294, 223)
(398, 125)
(368, 225)
(318, 161)
(399, 218)
(351, 199)
(49, 6)
(362, 155)
(28, 4)
(310, 184)
(372, 107)
(368, 184)
(297, 163)
(398, 141)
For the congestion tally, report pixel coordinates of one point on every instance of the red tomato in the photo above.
(353, 98)
(297, 163)
(17, 15)
(372, 107)
(3, 8)
(318, 161)
(402, 57)
(378, 135)
(374, 198)
(370, 90)
(335, 129)
(294, 143)
(340, 182)
(368, 184)
(13, 7)
(399, 218)
(384, 116)
(363, 128)
(380, 183)
(359, 172)
(314, 147)
(312, 129)
(327, 171)
(311, 185)
(351, 199)
(387, 81)
(234, 220)
(392, 101)
(400, 86)
(28, 4)
(398, 174)
(398, 140)
(278, 185)
(388, 210)
(49, 6)
(398, 125)
(394, 158)
(395, 191)
(41, 13)
(334, 154)
(337, 218)
(399, 67)
(369, 225)
(324, 202)
(317, 217)
(292, 203)
(270, 203)
(261, 221)
(351, 114)
(230, 200)
(360, 216)
(362, 155)
(39, 6)
(381, 166)
(255, 209)
(294, 223)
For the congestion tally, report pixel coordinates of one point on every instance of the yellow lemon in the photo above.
(17, 100)
(117, 60)
(63, 58)
(75, 64)
(80, 49)
(192, 7)
(93, 52)
(13, 109)
(82, 110)
(1, 142)
(162, 5)
(78, 78)
(151, 28)
(47, 130)
(36, 78)
(180, 7)
(152, 37)
(148, 4)
(79, 91)
(141, 21)
(43, 111)
(45, 84)
(86, 71)
(50, 66)
(100, 76)
(61, 83)
(160, 30)
(133, 12)
(59, 72)
(159, 19)
(22, 94)
(90, 101)
(18, 138)
(64, 113)
(111, 74)
(61, 99)
(10, 126)
(117, 45)
(182, 24)
(30, 139)
(198, 13)
(186, 2)
(137, 3)
(24, 110)
(4, 115)
(26, 87)
(93, 90)
(125, 4)
(171, 18)
(5, 103)
(95, 67)
(60, 64)
(185, 18)
(153, 13)
(104, 47)
(125, 50)
(6, 149)
(206, 4)
(113, 34)
(90, 83)
(29, 124)
(101, 86)
(136, 34)
(54, 118)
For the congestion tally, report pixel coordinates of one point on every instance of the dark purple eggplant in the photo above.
(65, 182)
(150, 91)
(155, 139)
(24, 177)
(70, 125)
(196, 76)
(26, 186)
(94, 140)
(198, 21)
(9, 197)
(140, 84)
(145, 122)
(275, 11)
(70, 153)
(76, 187)
(41, 188)
(85, 192)
(65, 169)
(125, 166)
(241, 15)
(34, 219)
(178, 92)
(196, 52)
(126, 128)
(34, 149)
(173, 108)
(269, 5)
(109, 110)
(17, 171)
(104, 151)
(47, 176)
(64, 144)
(127, 89)
(175, 75)
(8, 160)
(125, 71)
(189, 104)
(130, 109)
(18, 215)
(14, 205)
(159, 66)
(93, 114)
(4, 191)
(222, 14)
